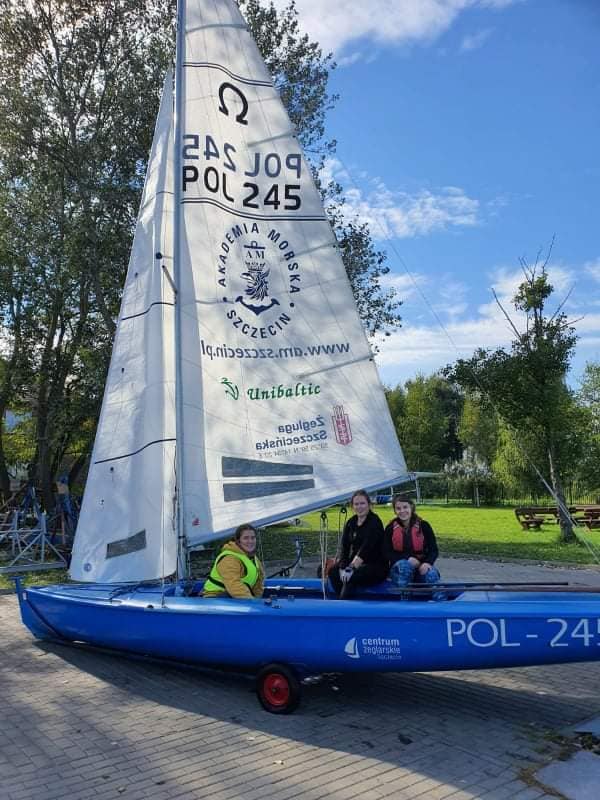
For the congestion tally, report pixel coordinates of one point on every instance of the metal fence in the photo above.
(440, 495)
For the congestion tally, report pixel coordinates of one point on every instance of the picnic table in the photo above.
(588, 515)
(533, 517)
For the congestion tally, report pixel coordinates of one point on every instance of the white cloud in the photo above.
(475, 40)
(427, 346)
(593, 268)
(407, 286)
(336, 23)
(352, 58)
(396, 214)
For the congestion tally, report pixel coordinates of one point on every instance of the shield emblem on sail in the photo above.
(341, 425)
(256, 295)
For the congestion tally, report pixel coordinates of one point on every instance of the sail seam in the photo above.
(153, 198)
(135, 452)
(141, 314)
(239, 78)
(235, 213)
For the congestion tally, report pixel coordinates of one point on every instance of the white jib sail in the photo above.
(126, 528)
(282, 405)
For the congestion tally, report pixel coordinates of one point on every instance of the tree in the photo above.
(396, 400)
(589, 392)
(527, 384)
(79, 88)
(471, 471)
(588, 398)
(478, 427)
(78, 98)
(424, 421)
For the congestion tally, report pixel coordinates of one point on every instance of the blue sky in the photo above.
(468, 135)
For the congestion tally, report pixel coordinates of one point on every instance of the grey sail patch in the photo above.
(132, 544)
(245, 491)
(251, 468)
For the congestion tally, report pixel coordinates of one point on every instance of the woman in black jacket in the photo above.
(409, 545)
(361, 561)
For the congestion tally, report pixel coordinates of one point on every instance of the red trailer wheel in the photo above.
(278, 689)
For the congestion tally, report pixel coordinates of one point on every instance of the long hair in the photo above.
(361, 493)
(241, 528)
(406, 498)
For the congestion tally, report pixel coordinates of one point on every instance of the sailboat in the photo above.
(242, 387)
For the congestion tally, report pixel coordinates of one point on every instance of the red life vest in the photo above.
(416, 536)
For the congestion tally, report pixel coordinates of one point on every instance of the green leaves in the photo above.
(527, 384)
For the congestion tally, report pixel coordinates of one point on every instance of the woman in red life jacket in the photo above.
(409, 545)
(361, 561)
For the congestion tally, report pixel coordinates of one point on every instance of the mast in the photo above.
(182, 566)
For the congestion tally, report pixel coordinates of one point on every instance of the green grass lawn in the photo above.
(492, 533)
(36, 577)
(464, 530)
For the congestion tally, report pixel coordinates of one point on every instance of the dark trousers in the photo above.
(367, 575)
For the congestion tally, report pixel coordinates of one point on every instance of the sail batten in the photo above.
(299, 510)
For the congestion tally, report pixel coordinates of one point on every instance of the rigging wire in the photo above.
(577, 529)
(259, 538)
(342, 514)
(323, 535)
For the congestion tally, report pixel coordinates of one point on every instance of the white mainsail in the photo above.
(281, 409)
(126, 526)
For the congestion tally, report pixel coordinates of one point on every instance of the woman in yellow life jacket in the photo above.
(237, 572)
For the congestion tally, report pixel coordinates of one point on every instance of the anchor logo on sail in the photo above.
(260, 276)
(256, 295)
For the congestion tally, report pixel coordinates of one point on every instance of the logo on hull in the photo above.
(379, 648)
(351, 648)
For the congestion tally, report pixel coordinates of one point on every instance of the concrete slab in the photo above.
(577, 779)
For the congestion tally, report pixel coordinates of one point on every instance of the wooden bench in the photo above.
(588, 515)
(529, 518)
(533, 517)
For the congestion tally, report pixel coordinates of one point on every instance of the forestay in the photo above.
(126, 528)
(282, 408)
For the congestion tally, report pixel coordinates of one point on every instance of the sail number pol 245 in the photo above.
(224, 176)
(555, 631)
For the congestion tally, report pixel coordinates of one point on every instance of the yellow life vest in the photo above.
(214, 582)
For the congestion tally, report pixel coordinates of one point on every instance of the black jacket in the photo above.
(430, 548)
(362, 540)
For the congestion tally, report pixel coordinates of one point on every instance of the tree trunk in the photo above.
(44, 474)
(4, 476)
(78, 465)
(566, 526)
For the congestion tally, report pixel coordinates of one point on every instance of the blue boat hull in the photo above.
(297, 627)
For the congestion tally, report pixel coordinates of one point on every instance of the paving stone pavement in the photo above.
(85, 724)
